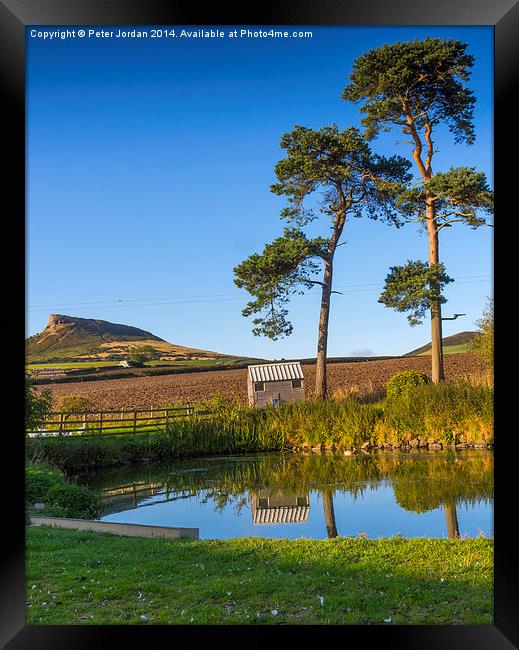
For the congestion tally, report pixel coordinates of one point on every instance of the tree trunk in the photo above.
(321, 386)
(451, 517)
(425, 170)
(437, 372)
(329, 514)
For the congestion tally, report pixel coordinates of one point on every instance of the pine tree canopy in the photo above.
(459, 195)
(414, 287)
(349, 180)
(422, 79)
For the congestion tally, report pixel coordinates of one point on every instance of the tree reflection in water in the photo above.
(421, 481)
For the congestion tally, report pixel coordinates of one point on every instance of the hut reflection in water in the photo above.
(274, 507)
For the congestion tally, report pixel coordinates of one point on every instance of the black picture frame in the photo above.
(14, 16)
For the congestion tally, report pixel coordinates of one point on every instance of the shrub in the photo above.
(37, 407)
(483, 342)
(39, 479)
(143, 353)
(74, 403)
(74, 500)
(405, 381)
(62, 498)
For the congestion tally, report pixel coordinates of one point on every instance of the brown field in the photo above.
(363, 379)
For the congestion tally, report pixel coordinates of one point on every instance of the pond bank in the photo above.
(434, 416)
(96, 578)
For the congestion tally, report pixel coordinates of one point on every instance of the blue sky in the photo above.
(149, 164)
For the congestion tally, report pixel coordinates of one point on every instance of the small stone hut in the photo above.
(275, 383)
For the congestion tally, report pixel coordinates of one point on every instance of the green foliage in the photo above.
(74, 404)
(422, 78)
(460, 195)
(39, 479)
(62, 498)
(439, 410)
(483, 342)
(37, 407)
(285, 266)
(404, 381)
(74, 501)
(75, 454)
(350, 180)
(414, 287)
(143, 353)
(423, 484)
(231, 428)
(445, 412)
(342, 167)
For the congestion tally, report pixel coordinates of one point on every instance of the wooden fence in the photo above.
(86, 423)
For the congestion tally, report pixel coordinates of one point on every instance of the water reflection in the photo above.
(452, 519)
(329, 513)
(276, 507)
(313, 495)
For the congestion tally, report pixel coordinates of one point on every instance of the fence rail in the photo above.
(85, 423)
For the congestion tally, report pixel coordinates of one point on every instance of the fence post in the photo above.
(166, 412)
(101, 422)
(134, 422)
(61, 423)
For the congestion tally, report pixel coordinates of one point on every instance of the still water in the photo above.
(415, 494)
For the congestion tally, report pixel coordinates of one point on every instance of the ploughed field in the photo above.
(363, 378)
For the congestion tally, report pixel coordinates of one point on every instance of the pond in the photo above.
(289, 495)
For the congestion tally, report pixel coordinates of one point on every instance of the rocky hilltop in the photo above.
(69, 338)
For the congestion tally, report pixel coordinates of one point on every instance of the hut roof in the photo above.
(276, 371)
(281, 515)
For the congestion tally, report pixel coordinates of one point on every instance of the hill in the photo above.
(68, 338)
(451, 344)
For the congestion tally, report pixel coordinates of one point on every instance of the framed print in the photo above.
(255, 252)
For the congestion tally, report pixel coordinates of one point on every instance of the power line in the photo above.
(223, 297)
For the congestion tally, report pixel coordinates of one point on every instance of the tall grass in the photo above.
(447, 413)
(229, 428)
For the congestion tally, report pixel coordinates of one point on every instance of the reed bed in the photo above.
(447, 413)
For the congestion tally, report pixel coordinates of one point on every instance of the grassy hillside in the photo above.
(451, 345)
(68, 339)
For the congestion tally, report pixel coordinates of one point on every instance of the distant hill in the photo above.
(68, 338)
(451, 344)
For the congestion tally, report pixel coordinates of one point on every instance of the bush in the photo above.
(483, 342)
(143, 354)
(37, 407)
(74, 404)
(74, 500)
(62, 498)
(39, 479)
(405, 381)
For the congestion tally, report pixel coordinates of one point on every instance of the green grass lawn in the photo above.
(450, 349)
(97, 578)
(73, 365)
